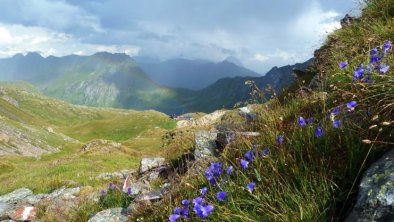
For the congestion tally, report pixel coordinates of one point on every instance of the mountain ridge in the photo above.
(192, 74)
(115, 80)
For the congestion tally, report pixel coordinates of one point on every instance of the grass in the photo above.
(139, 133)
(307, 178)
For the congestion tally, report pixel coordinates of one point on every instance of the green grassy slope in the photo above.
(306, 177)
(72, 127)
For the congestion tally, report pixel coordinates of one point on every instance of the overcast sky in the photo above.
(259, 33)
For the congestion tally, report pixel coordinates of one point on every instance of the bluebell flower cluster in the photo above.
(375, 63)
(212, 173)
(216, 173)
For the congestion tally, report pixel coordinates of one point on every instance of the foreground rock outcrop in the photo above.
(22, 204)
(375, 200)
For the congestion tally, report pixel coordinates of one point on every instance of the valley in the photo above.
(42, 137)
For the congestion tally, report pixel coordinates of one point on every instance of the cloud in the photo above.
(259, 33)
(315, 24)
(56, 15)
(278, 54)
(21, 39)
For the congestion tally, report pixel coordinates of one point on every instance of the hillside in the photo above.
(102, 80)
(317, 147)
(38, 131)
(228, 92)
(192, 74)
(115, 80)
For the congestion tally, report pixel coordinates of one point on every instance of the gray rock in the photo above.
(34, 199)
(154, 195)
(4, 209)
(16, 195)
(205, 143)
(150, 163)
(137, 188)
(110, 215)
(225, 138)
(64, 193)
(161, 172)
(375, 200)
(247, 113)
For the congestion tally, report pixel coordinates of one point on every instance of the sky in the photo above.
(258, 33)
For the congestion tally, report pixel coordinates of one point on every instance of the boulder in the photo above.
(16, 195)
(375, 201)
(205, 143)
(110, 215)
(150, 163)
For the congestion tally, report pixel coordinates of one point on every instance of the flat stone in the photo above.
(375, 201)
(110, 215)
(64, 193)
(24, 214)
(16, 195)
(150, 163)
(152, 196)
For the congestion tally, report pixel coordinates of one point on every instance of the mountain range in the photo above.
(116, 80)
(192, 74)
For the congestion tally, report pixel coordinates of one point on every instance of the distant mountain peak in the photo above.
(115, 57)
(34, 55)
(234, 60)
